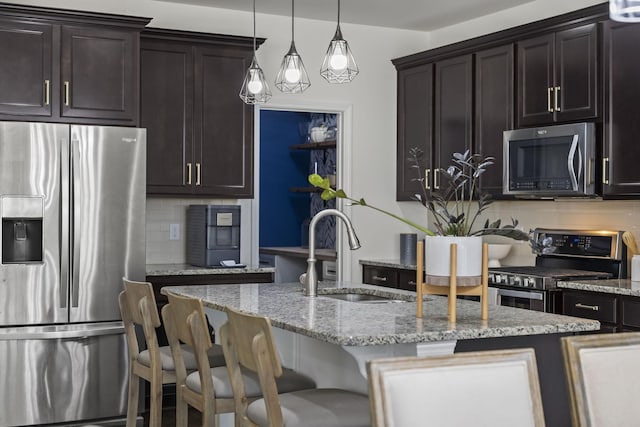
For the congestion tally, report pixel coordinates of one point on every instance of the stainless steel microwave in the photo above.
(551, 161)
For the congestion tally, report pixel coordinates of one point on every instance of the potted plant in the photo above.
(455, 209)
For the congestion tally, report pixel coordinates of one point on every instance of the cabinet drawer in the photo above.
(630, 308)
(407, 280)
(381, 276)
(590, 306)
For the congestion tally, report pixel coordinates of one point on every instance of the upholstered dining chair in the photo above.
(154, 364)
(249, 345)
(603, 377)
(208, 389)
(485, 388)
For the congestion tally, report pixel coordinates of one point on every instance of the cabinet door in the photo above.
(622, 127)
(535, 80)
(99, 73)
(167, 114)
(453, 119)
(415, 128)
(223, 124)
(381, 276)
(576, 70)
(26, 80)
(494, 110)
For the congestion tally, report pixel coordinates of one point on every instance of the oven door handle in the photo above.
(520, 294)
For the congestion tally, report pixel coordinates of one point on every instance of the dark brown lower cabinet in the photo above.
(616, 313)
(390, 277)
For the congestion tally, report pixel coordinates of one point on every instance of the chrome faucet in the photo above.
(310, 278)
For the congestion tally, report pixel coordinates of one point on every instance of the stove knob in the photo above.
(517, 281)
(528, 282)
(498, 278)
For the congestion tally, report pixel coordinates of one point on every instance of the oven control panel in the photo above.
(516, 280)
(581, 243)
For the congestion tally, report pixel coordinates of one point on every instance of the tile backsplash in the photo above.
(162, 212)
(565, 214)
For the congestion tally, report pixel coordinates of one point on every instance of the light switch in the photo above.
(174, 231)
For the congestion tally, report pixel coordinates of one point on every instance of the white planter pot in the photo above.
(437, 255)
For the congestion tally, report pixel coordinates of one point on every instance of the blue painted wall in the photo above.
(282, 212)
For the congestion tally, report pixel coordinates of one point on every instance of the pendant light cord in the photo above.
(338, 13)
(292, 1)
(254, 27)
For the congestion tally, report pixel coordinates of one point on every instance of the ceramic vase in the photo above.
(437, 255)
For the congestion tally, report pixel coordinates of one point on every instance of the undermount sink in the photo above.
(361, 298)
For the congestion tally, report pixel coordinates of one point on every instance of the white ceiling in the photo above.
(420, 15)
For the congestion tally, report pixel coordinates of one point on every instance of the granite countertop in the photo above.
(609, 286)
(300, 252)
(187, 270)
(357, 324)
(391, 263)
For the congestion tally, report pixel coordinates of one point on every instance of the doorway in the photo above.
(285, 201)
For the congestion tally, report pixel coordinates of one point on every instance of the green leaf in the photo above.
(316, 180)
(341, 194)
(328, 195)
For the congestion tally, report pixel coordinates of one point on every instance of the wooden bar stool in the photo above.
(453, 285)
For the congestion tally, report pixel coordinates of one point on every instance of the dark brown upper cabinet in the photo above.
(453, 119)
(199, 132)
(558, 76)
(493, 113)
(621, 150)
(415, 128)
(69, 66)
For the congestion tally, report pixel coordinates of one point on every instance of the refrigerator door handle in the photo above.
(64, 223)
(75, 332)
(76, 219)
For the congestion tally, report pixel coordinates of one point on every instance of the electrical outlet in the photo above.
(174, 231)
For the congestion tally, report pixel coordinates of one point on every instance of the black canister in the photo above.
(408, 243)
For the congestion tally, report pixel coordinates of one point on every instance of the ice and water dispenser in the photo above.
(213, 235)
(21, 229)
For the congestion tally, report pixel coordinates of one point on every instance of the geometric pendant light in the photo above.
(338, 65)
(624, 10)
(292, 77)
(255, 89)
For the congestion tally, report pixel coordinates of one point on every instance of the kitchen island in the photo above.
(331, 339)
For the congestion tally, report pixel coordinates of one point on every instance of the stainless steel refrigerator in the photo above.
(72, 203)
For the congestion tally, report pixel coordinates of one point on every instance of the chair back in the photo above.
(601, 370)
(138, 307)
(181, 308)
(496, 388)
(247, 341)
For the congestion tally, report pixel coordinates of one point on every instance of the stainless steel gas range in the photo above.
(568, 254)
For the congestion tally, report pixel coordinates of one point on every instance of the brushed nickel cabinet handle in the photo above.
(427, 179)
(197, 173)
(380, 278)
(66, 93)
(47, 88)
(436, 174)
(188, 173)
(555, 97)
(588, 307)
(605, 172)
(549, 107)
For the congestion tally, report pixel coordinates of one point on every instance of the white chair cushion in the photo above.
(216, 358)
(289, 381)
(324, 407)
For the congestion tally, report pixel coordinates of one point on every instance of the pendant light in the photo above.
(624, 10)
(292, 77)
(255, 89)
(338, 65)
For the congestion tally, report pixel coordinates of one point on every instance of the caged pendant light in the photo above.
(338, 65)
(624, 10)
(292, 77)
(255, 89)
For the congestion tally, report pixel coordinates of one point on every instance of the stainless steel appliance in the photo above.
(72, 203)
(551, 161)
(213, 235)
(570, 254)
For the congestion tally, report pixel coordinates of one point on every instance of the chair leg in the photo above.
(155, 404)
(132, 404)
(209, 414)
(182, 409)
